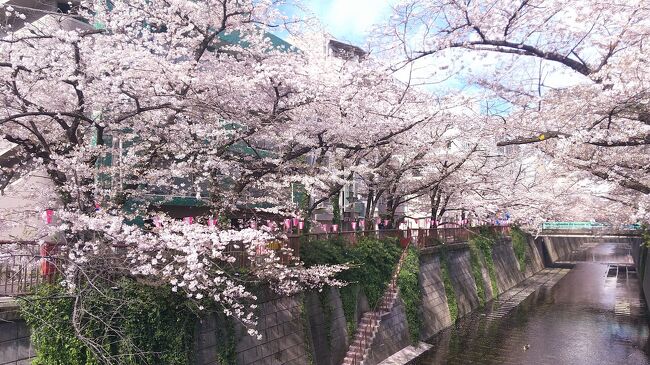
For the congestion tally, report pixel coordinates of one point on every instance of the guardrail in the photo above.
(422, 238)
(605, 231)
(26, 264)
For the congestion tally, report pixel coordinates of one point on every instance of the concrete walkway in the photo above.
(406, 355)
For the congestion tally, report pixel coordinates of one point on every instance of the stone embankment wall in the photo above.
(640, 254)
(435, 314)
(298, 330)
(311, 328)
(15, 348)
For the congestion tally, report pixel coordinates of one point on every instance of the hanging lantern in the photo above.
(378, 220)
(335, 227)
(188, 220)
(354, 225)
(212, 222)
(287, 224)
(385, 222)
(362, 224)
(48, 215)
(301, 225)
(295, 222)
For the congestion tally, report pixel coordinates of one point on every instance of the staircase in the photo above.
(370, 321)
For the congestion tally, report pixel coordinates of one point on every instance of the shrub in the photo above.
(146, 325)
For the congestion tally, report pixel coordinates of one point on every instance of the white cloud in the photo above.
(350, 19)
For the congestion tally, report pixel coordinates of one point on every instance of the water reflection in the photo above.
(586, 318)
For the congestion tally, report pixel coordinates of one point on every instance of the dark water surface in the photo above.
(594, 315)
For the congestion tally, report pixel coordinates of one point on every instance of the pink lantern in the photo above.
(157, 222)
(428, 222)
(335, 227)
(287, 224)
(354, 225)
(385, 222)
(362, 224)
(378, 220)
(212, 222)
(301, 225)
(295, 222)
(48, 214)
(188, 220)
(325, 227)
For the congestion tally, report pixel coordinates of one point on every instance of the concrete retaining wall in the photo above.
(280, 324)
(506, 265)
(434, 310)
(329, 337)
(15, 347)
(297, 329)
(393, 331)
(393, 335)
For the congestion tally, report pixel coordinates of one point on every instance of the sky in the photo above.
(350, 20)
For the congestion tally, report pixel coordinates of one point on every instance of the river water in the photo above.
(593, 315)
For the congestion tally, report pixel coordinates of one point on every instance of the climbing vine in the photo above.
(305, 326)
(449, 288)
(326, 306)
(643, 252)
(409, 289)
(148, 325)
(226, 340)
(349, 298)
(484, 241)
(520, 246)
(477, 272)
(372, 263)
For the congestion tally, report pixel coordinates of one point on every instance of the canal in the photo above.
(594, 314)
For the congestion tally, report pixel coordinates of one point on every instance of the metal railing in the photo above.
(25, 265)
(421, 237)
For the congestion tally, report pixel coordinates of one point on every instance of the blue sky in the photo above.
(350, 20)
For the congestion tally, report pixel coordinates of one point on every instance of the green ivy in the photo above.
(409, 288)
(349, 298)
(484, 241)
(326, 306)
(155, 326)
(372, 264)
(643, 251)
(477, 272)
(305, 325)
(520, 246)
(449, 288)
(226, 340)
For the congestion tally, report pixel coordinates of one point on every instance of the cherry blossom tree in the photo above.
(571, 74)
